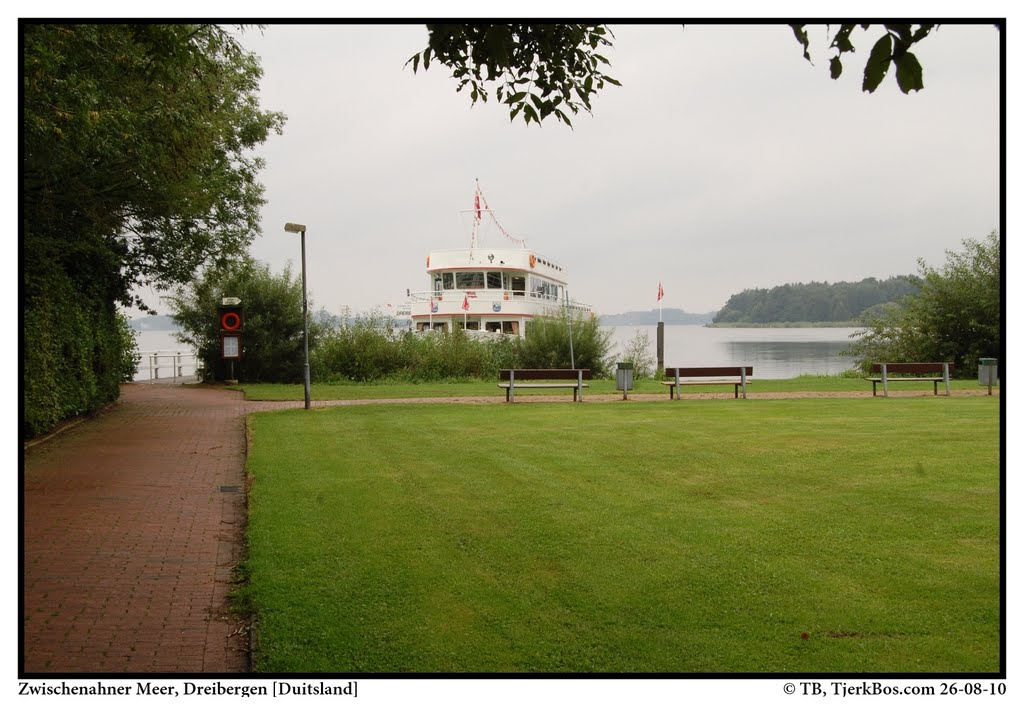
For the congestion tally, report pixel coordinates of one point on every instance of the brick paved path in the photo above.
(133, 522)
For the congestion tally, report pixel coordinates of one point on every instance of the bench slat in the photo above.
(527, 385)
(905, 379)
(704, 382)
(910, 367)
(708, 371)
(540, 374)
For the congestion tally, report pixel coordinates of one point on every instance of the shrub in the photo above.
(547, 343)
(638, 352)
(272, 334)
(77, 351)
(954, 317)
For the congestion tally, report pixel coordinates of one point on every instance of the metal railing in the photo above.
(181, 363)
(456, 295)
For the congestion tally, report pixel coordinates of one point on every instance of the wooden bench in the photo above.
(884, 369)
(675, 385)
(511, 380)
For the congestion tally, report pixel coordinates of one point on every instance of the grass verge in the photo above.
(480, 388)
(786, 536)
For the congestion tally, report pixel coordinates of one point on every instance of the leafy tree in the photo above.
(136, 155)
(136, 169)
(955, 317)
(272, 336)
(542, 69)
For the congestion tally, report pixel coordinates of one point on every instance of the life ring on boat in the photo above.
(533, 261)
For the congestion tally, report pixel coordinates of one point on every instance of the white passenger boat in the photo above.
(488, 289)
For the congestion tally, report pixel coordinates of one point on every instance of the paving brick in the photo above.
(129, 541)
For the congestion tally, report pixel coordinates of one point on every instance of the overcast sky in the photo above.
(725, 161)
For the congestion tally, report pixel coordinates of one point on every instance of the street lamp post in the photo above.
(301, 229)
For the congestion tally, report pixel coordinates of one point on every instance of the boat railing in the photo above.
(494, 295)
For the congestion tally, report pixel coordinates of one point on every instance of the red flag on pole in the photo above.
(465, 303)
(661, 291)
(476, 204)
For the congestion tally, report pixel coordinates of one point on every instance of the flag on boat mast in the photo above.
(465, 312)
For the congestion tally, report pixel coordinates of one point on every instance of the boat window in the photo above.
(449, 281)
(543, 289)
(473, 325)
(519, 285)
(493, 279)
(437, 282)
(493, 326)
(469, 279)
(509, 327)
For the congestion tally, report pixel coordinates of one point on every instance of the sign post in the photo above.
(229, 315)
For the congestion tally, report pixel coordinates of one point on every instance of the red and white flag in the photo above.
(465, 303)
(476, 204)
(661, 291)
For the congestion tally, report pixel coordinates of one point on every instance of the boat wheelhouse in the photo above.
(490, 290)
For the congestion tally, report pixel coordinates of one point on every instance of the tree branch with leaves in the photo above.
(543, 70)
(893, 47)
(540, 70)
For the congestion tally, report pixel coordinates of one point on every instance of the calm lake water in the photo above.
(774, 353)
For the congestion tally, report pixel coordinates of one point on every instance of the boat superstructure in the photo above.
(490, 290)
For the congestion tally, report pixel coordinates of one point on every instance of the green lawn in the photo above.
(479, 388)
(694, 537)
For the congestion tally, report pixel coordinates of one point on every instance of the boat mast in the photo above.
(479, 207)
(476, 216)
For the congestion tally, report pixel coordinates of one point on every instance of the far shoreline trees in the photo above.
(814, 302)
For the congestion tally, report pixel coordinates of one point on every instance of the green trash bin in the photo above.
(624, 377)
(988, 372)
